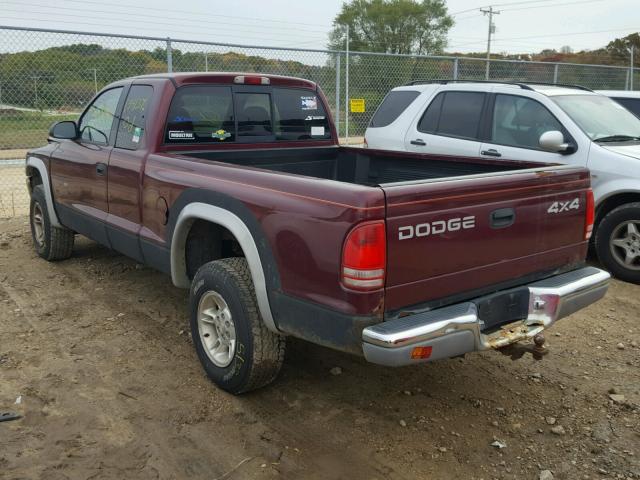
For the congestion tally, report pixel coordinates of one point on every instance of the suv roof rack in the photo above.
(523, 85)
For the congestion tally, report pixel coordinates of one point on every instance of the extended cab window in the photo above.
(392, 107)
(299, 115)
(95, 124)
(201, 114)
(454, 114)
(519, 121)
(131, 128)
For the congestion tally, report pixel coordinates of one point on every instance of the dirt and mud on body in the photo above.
(96, 352)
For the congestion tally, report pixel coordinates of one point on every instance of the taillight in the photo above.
(589, 215)
(251, 80)
(364, 257)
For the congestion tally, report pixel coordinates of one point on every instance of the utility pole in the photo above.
(492, 29)
(346, 92)
(631, 70)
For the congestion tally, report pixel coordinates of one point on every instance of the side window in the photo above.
(131, 128)
(201, 114)
(429, 121)
(631, 104)
(299, 115)
(97, 120)
(455, 114)
(254, 114)
(392, 107)
(519, 121)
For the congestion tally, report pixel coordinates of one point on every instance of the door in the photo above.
(450, 125)
(79, 168)
(516, 124)
(125, 172)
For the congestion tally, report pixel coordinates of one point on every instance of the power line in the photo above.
(147, 22)
(48, 22)
(208, 22)
(198, 13)
(548, 6)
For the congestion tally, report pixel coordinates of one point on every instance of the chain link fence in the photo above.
(50, 75)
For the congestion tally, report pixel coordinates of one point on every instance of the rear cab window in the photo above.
(222, 114)
(392, 107)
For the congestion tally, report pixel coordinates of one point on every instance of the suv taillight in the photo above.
(364, 257)
(589, 215)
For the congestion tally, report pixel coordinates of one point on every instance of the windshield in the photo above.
(600, 117)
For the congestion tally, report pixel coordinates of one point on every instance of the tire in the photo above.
(51, 243)
(223, 289)
(614, 227)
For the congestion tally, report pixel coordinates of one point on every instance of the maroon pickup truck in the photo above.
(235, 185)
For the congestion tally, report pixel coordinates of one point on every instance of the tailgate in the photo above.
(448, 239)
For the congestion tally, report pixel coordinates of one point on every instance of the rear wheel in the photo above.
(618, 242)
(51, 243)
(236, 349)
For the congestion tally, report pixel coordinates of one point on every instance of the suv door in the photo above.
(449, 125)
(79, 168)
(515, 125)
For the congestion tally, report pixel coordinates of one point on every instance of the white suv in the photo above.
(530, 122)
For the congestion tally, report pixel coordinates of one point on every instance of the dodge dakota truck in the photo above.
(236, 186)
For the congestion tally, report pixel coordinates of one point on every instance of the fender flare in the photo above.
(229, 220)
(38, 164)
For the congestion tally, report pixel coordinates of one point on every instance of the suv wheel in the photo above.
(236, 349)
(618, 242)
(51, 243)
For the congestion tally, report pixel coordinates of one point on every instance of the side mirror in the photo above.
(65, 130)
(553, 141)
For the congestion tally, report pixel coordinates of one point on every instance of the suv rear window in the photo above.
(214, 114)
(392, 106)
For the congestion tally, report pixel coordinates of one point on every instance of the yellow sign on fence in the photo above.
(357, 105)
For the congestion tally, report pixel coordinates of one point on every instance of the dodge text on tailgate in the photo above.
(235, 185)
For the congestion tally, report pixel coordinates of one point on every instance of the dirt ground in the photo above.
(14, 196)
(97, 350)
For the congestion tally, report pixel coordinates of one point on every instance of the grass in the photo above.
(27, 129)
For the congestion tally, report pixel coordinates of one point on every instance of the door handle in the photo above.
(503, 217)
(418, 141)
(101, 168)
(492, 152)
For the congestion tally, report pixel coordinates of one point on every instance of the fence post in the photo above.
(346, 91)
(338, 93)
(169, 56)
(455, 68)
(555, 73)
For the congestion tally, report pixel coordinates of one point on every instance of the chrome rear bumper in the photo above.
(458, 329)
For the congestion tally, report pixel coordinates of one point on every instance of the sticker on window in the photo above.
(309, 103)
(220, 135)
(180, 135)
(137, 133)
(317, 131)
(310, 118)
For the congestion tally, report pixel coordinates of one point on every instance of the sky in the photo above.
(523, 26)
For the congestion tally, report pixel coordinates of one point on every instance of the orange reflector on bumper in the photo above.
(421, 353)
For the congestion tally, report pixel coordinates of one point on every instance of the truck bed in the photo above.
(359, 166)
